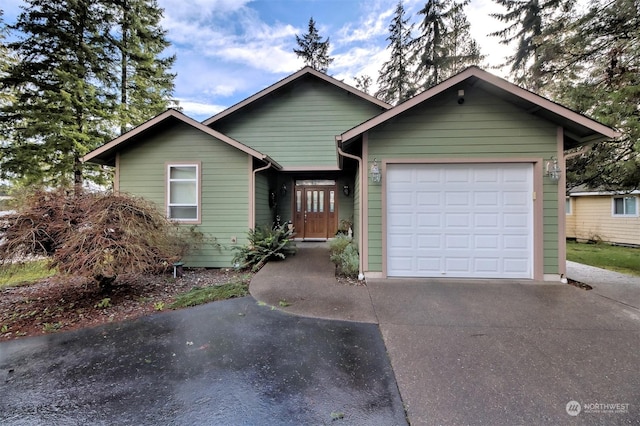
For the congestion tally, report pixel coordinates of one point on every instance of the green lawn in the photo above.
(24, 273)
(620, 259)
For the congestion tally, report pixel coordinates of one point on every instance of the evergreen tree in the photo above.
(87, 68)
(363, 83)
(60, 108)
(445, 45)
(395, 81)
(463, 48)
(145, 84)
(312, 50)
(527, 20)
(597, 72)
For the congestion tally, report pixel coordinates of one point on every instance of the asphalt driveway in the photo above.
(228, 363)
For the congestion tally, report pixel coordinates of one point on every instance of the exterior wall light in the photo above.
(374, 172)
(346, 190)
(553, 169)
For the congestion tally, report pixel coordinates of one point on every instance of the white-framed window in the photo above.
(567, 206)
(626, 205)
(183, 192)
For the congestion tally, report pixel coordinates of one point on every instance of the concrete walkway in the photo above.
(485, 351)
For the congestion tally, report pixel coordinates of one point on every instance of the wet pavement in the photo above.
(229, 363)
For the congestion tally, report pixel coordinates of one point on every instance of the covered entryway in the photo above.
(315, 209)
(460, 220)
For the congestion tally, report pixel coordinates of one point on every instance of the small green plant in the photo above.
(104, 303)
(199, 296)
(283, 303)
(158, 306)
(344, 253)
(265, 244)
(49, 327)
(4, 328)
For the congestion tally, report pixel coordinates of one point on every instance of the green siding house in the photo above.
(462, 181)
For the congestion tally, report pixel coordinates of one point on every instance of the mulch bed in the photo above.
(68, 303)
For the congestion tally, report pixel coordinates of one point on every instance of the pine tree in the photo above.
(445, 45)
(60, 107)
(87, 68)
(312, 50)
(527, 20)
(597, 72)
(395, 81)
(145, 84)
(463, 48)
(363, 83)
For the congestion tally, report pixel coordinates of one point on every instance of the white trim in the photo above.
(198, 181)
(623, 197)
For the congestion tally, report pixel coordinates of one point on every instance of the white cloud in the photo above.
(199, 110)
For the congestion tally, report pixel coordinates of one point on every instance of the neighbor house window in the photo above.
(567, 206)
(183, 192)
(625, 206)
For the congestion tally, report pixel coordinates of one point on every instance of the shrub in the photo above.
(344, 253)
(94, 235)
(265, 244)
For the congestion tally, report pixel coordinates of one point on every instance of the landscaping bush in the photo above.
(265, 244)
(99, 236)
(344, 253)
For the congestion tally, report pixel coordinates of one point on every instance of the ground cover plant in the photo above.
(625, 260)
(344, 254)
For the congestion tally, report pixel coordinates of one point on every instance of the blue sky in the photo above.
(228, 50)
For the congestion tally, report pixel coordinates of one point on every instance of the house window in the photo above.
(625, 206)
(183, 192)
(567, 206)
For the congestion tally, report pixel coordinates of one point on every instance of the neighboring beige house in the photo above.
(612, 217)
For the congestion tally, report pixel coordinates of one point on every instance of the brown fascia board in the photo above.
(537, 100)
(172, 113)
(287, 80)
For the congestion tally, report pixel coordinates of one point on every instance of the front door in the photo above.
(315, 211)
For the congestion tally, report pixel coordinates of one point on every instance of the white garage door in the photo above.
(460, 220)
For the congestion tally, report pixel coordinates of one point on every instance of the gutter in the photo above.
(360, 210)
(252, 200)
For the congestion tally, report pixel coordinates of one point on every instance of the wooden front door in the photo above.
(315, 211)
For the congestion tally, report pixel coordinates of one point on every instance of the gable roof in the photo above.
(106, 153)
(578, 129)
(306, 71)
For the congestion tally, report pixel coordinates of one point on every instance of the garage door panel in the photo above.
(429, 242)
(466, 220)
(458, 220)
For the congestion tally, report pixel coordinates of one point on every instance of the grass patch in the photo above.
(17, 274)
(200, 295)
(615, 258)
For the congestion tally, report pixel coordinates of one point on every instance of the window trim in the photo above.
(167, 192)
(568, 203)
(613, 206)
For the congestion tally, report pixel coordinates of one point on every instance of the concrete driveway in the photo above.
(467, 352)
(500, 353)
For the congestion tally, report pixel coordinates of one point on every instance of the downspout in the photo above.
(360, 210)
(252, 219)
